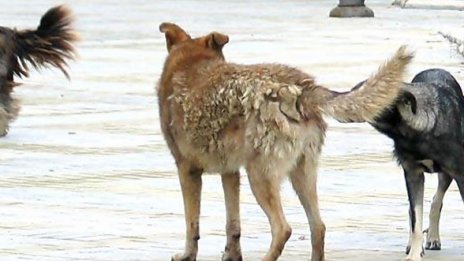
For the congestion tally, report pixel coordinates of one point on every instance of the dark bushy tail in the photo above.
(50, 45)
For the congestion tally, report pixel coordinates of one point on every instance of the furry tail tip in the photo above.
(389, 75)
(403, 56)
(384, 87)
(375, 95)
(51, 44)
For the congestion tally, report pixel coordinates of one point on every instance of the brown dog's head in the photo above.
(178, 40)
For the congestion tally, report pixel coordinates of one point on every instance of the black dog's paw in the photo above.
(433, 245)
(408, 249)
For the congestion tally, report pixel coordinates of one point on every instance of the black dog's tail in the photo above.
(51, 44)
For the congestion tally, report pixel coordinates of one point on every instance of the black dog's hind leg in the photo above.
(414, 177)
(460, 182)
(433, 235)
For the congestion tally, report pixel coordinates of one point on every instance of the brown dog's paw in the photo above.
(229, 257)
(183, 257)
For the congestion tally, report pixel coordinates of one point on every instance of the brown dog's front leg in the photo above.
(190, 181)
(231, 186)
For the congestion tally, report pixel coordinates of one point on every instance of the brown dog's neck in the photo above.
(188, 61)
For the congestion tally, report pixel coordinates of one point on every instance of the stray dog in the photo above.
(218, 116)
(51, 44)
(427, 127)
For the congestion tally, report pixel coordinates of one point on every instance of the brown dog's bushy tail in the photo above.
(376, 94)
(51, 44)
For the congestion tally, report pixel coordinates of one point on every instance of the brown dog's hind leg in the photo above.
(231, 186)
(266, 188)
(433, 234)
(190, 181)
(304, 179)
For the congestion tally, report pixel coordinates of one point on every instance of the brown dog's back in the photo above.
(210, 97)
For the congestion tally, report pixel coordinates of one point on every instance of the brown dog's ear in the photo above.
(216, 40)
(173, 33)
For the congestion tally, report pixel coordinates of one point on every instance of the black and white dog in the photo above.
(51, 44)
(427, 127)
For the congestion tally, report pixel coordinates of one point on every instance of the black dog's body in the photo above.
(51, 44)
(427, 127)
(442, 143)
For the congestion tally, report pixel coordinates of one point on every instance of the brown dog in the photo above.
(51, 44)
(218, 116)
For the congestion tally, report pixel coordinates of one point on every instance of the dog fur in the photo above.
(427, 127)
(218, 116)
(51, 44)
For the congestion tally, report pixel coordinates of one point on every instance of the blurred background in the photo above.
(86, 175)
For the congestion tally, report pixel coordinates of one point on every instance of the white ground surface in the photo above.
(85, 173)
(432, 4)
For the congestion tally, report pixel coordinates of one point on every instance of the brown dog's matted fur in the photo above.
(218, 116)
(51, 44)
